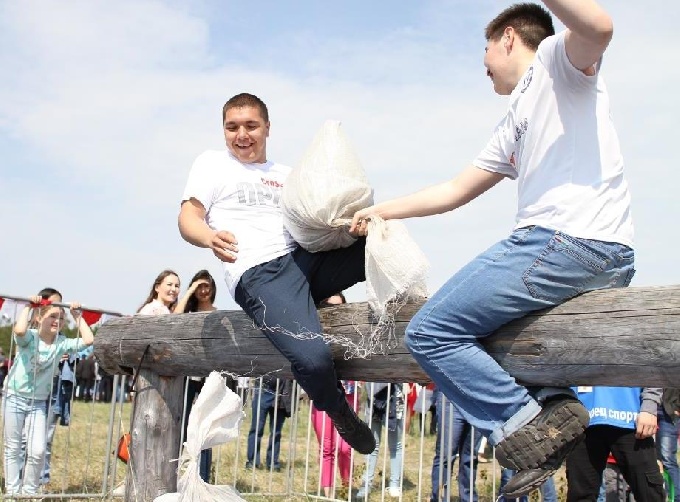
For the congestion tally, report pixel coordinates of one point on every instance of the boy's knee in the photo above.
(412, 339)
(316, 367)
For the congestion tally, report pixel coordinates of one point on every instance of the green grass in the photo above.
(80, 452)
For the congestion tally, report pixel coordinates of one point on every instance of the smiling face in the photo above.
(507, 58)
(51, 321)
(498, 66)
(246, 132)
(167, 290)
(53, 298)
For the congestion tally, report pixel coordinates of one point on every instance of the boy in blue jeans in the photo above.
(573, 232)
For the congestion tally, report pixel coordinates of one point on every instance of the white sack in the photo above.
(321, 195)
(396, 268)
(319, 199)
(213, 421)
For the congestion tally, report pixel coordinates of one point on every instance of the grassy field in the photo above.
(81, 452)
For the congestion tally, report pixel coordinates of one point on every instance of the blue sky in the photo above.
(106, 104)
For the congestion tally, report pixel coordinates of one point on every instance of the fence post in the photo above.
(155, 430)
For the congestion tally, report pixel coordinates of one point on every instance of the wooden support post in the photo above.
(155, 430)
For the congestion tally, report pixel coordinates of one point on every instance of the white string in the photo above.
(379, 340)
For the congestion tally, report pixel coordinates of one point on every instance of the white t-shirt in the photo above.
(559, 142)
(154, 307)
(243, 199)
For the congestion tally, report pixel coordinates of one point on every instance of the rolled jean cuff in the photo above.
(525, 415)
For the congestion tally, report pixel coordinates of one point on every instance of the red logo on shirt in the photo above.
(271, 183)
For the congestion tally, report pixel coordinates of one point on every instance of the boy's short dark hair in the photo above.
(245, 99)
(325, 303)
(532, 23)
(45, 293)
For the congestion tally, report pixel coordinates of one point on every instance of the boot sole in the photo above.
(554, 431)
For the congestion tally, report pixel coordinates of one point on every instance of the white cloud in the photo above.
(105, 105)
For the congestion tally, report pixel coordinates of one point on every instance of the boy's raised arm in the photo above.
(590, 30)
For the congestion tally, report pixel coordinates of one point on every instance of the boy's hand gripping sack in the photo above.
(319, 199)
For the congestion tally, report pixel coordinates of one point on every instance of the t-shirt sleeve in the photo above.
(200, 185)
(73, 345)
(497, 155)
(552, 54)
(25, 341)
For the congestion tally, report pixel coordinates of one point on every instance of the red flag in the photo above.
(43, 303)
(2, 300)
(91, 317)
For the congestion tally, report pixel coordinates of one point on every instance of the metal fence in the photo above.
(286, 449)
(84, 464)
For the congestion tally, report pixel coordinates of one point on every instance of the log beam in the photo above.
(623, 337)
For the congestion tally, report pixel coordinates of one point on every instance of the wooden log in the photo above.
(624, 337)
(155, 432)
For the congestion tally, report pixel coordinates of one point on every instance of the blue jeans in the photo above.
(20, 412)
(263, 407)
(533, 269)
(52, 419)
(457, 438)
(394, 437)
(667, 448)
(58, 410)
(548, 491)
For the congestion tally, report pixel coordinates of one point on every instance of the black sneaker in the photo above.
(546, 441)
(350, 427)
(525, 482)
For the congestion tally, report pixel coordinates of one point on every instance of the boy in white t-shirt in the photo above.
(574, 230)
(231, 205)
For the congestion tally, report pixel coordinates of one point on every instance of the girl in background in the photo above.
(40, 346)
(200, 297)
(59, 404)
(162, 298)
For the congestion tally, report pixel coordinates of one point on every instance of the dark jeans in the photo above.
(105, 388)
(456, 437)
(264, 405)
(281, 295)
(636, 458)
